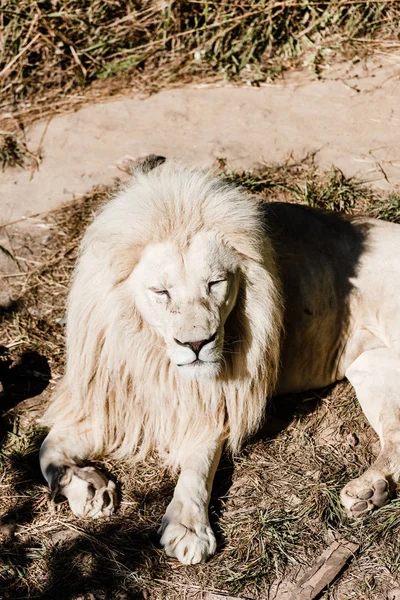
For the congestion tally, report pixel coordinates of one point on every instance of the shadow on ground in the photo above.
(107, 560)
(103, 566)
(25, 379)
(71, 559)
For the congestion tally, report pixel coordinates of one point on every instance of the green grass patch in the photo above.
(302, 183)
(388, 208)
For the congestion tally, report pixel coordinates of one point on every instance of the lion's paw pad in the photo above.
(189, 546)
(90, 494)
(365, 493)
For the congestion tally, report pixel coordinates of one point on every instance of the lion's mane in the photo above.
(120, 387)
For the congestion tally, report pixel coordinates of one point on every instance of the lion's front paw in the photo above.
(190, 545)
(90, 494)
(365, 493)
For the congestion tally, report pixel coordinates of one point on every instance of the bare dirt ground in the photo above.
(275, 506)
(350, 119)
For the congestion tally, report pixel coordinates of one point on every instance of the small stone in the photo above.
(293, 500)
(38, 312)
(62, 321)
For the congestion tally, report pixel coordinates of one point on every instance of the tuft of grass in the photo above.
(14, 153)
(388, 208)
(337, 193)
(54, 50)
(8, 253)
(303, 183)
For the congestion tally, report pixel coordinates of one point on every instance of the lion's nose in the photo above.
(197, 346)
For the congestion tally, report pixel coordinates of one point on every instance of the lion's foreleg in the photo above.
(90, 494)
(375, 376)
(185, 530)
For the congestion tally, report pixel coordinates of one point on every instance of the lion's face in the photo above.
(186, 293)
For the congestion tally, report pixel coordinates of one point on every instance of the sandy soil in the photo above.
(350, 119)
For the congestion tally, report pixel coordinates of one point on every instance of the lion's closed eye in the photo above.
(160, 292)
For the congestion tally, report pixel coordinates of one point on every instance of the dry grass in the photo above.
(14, 153)
(275, 506)
(55, 53)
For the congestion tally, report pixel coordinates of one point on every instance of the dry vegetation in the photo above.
(275, 506)
(14, 152)
(55, 54)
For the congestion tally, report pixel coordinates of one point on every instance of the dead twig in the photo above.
(326, 569)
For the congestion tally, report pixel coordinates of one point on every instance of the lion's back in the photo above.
(336, 271)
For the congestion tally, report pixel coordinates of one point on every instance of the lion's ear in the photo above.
(143, 164)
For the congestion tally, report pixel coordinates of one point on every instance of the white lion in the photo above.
(191, 304)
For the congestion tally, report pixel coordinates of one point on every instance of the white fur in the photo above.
(129, 386)
(119, 378)
(375, 375)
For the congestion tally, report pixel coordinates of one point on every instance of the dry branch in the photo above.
(212, 596)
(325, 570)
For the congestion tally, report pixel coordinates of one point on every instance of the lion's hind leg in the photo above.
(375, 375)
(90, 494)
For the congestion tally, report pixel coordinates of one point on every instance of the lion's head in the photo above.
(185, 290)
(174, 315)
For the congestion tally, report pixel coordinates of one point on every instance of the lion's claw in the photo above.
(90, 494)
